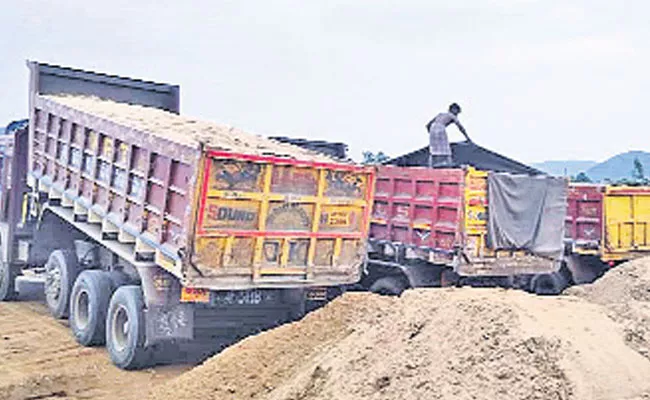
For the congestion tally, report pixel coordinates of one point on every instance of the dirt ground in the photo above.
(463, 343)
(39, 359)
(430, 344)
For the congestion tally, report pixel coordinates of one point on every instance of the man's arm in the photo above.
(461, 128)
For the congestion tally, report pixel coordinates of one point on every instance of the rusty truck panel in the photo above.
(216, 219)
(440, 215)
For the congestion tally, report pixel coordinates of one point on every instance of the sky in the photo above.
(537, 80)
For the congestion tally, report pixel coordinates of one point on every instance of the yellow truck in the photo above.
(606, 225)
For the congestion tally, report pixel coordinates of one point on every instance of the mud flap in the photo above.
(165, 324)
(582, 270)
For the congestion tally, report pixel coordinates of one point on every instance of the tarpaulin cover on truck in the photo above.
(527, 213)
(468, 153)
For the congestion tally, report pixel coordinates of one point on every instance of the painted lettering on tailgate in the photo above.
(230, 214)
(338, 218)
(235, 214)
(289, 216)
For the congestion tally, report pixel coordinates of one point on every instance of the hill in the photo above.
(619, 166)
(615, 168)
(564, 167)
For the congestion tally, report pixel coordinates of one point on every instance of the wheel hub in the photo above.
(120, 331)
(82, 309)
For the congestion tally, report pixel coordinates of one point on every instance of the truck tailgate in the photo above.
(280, 221)
(421, 208)
(584, 220)
(627, 221)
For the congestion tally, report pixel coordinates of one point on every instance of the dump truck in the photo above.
(606, 225)
(148, 228)
(437, 227)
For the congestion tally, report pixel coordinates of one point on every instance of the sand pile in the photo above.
(186, 131)
(429, 344)
(625, 292)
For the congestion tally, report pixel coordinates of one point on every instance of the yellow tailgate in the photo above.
(293, 222)
(627, 221)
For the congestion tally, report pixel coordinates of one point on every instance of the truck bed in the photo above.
(217, 207)
(440, 215)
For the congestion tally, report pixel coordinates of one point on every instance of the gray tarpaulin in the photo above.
(527, 212)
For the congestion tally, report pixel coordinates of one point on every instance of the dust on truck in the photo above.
(149, 228)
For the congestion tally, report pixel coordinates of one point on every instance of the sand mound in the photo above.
(429, 344)
(186, 131)
(625, 292)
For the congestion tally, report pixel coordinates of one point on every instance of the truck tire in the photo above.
(61, 271)
(448, 278)
(548, 284)
(388, 286)
(7, 282)
(89, 300)
(125, 329)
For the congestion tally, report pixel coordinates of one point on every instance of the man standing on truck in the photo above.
(439, 149)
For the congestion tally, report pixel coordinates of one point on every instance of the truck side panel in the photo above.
(627, 222)
(139, 188)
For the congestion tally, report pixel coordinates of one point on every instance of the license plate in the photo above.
(316, 294)
(247, 297)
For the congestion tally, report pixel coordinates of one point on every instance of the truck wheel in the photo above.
(61, 271)
(7, 282)
(448, 278)
(388, 286)
(91, 294)
(125, 329)
(548, 284)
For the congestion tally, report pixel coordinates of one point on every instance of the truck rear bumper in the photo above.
(510, 266)
(228, 314)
